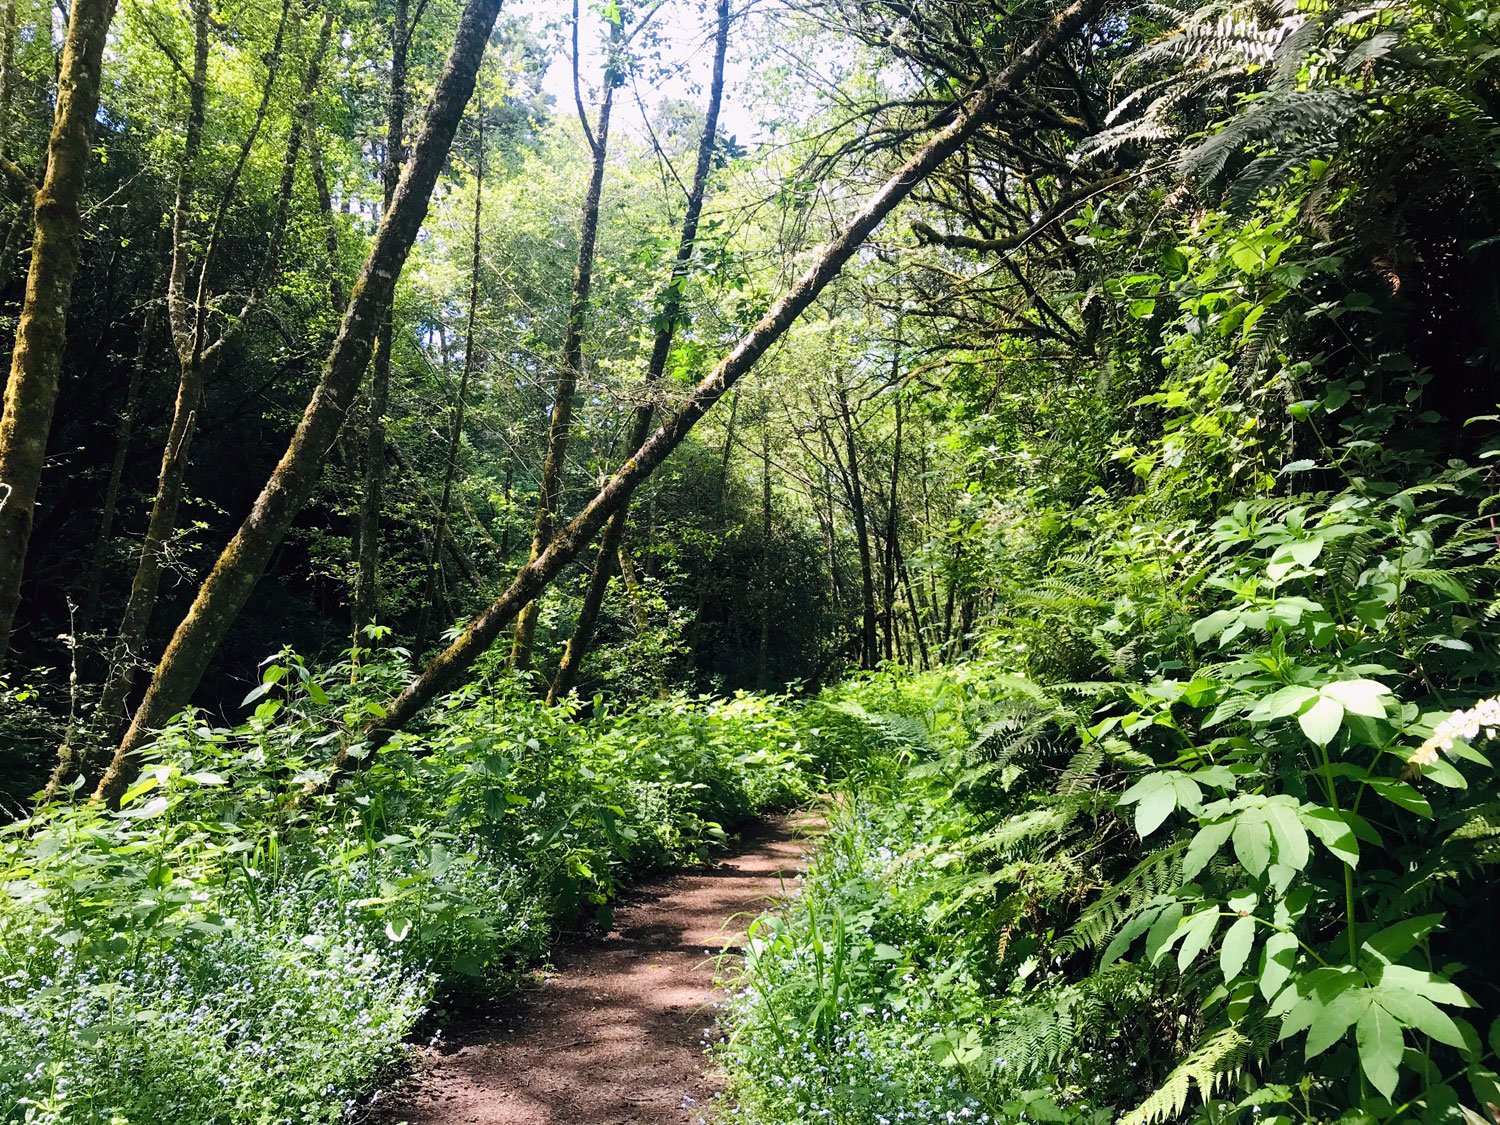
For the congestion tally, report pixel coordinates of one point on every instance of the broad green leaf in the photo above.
(1132, 929)
(1321, 721)
(1441, 581)
(1163, 931)
(1252, 840)
(1438, 989)
(1290, 836)
(1381, 1046)
(1278, 959)
(1282, 703)
(1214, 623)
(1333, 832)
(1400, 794)
(1358, 697)
(1197, 932)
(1418, 1012)
(1235, 950)
(1396, 941)
(1333, 1017)
(1204, 846)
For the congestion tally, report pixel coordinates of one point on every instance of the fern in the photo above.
(1214, 1063)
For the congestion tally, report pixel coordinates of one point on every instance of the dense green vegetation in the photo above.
(1106, 535)
(218, 952)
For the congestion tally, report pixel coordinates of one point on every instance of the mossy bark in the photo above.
(240, 565)
(41, 331)
(444, 670)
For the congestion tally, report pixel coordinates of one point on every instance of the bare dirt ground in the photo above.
(615, 1034)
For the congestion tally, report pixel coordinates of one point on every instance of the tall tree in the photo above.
(959, 125)
(292, 482)
(194, 255)
(367, 561)
(41, 331)
(560, 429)
(461, 401)
(668, 319)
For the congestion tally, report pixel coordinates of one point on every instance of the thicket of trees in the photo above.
(1124, 375)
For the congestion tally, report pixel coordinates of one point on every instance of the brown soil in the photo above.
(615, 1034)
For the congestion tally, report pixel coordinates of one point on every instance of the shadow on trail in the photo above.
(616, 1035)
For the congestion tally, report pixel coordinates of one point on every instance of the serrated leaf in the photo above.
(1381, 1046)
(1197, 932)
(1333, 1018)
(1421, 1014)
(1282, 703)
(1163, 931)
(1400, 794)
(1278, 959)
(1394, 942)
(1291, 838)
(1203, 847)
(1333, 832)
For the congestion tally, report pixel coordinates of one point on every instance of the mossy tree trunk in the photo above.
(444, 670)
(291, 484)
(41, 331)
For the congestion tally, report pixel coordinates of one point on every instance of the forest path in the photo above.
(614, 1035)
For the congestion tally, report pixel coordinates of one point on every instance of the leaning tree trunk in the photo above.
(41, 331)
(661, 347)
(445, 668)
(291, 484)
(367, 574)
(197, 359)
(124, 429)
(560, 431)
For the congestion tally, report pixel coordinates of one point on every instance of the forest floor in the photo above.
(614, 1033)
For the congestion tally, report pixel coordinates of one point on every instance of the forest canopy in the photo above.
(456, 456)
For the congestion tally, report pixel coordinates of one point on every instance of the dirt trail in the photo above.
(615, 1035)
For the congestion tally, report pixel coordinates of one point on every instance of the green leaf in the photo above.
(1290, 836)
(1421, 1014)
(1394, 942)
(1163, 931)
(1252, 841)
(1333, 1017)
(1197, 932)
(1280, 704)
(1439, 989)
(1442, 582)
(1400, 794)
(1321, 721)
(1333, 832)
(1358, 697)
(1204, 846)
(1381, 1046)
(1157, 795)
(1278, 960)
(1239, 941)
(1132, 929)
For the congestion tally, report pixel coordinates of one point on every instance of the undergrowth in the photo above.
(226, 949)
